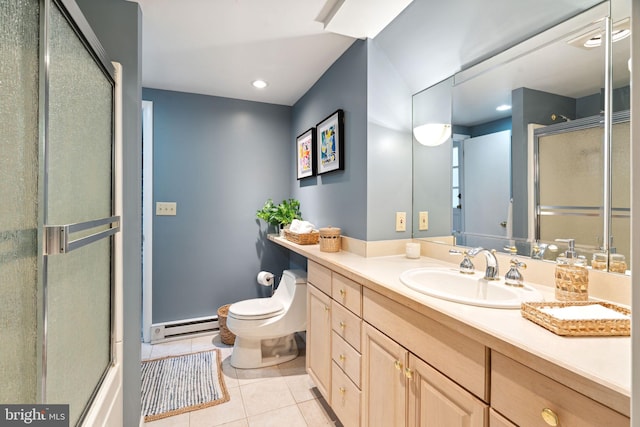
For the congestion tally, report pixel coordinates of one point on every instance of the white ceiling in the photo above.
(218, 47)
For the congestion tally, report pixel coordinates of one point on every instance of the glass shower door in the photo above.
(77, 277)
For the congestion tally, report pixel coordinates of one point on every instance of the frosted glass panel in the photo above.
(571, 168)
(79, 189)
(621, 188)
(19, 21)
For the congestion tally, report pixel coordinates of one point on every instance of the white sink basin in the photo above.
(470, 289)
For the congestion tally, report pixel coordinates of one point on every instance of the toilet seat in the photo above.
(256, 309)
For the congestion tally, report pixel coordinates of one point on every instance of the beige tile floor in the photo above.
(281, 395)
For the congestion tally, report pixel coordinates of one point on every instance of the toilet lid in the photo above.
(257, 308)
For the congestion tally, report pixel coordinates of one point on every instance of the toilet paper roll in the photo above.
(265, 278)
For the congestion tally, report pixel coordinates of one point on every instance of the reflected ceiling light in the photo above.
(260, 84)
(621, 30)
(503, 107)
(616, 36)
(432, 134)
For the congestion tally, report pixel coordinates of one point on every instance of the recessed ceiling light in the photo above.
(503, 107)
(260, 84)
(618, 35)
(594, 41)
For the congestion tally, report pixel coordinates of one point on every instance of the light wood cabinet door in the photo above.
(318, 353)
(384, 384)
(436, 401)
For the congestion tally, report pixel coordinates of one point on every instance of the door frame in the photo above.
(147, 219)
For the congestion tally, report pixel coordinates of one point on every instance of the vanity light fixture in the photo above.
(503, 107)
(432, 134)
(259, 84)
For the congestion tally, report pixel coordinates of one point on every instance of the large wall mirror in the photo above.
(538, 148)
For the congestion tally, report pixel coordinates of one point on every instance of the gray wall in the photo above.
(388, 147)
(117, 23)
(219, 159)
(337, 198)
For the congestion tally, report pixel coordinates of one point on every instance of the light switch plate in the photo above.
(401, 221)
(423, 221)
(166, 208)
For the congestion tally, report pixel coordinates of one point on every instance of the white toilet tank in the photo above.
(292, 286)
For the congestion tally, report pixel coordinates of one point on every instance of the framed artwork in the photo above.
(305, 153)
(330, 144)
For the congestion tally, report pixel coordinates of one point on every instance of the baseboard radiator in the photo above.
(183, 328)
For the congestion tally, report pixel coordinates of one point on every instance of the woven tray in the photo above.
(595, 327)
(302, 238)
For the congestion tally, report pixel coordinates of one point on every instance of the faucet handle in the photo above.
(466, 266)
(514, 277)
(511, 249)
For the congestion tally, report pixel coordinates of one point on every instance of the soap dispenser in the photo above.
(571, 276)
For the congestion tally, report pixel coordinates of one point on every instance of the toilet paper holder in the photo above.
(266, 278)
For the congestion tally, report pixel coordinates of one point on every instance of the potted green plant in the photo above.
(280, 215)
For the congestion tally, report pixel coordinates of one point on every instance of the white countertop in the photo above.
(605, 361)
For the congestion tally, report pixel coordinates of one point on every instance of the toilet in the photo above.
(265, 327)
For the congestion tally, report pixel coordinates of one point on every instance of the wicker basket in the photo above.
(583, 327)
(330, 239)
(301, 238)
(226, 335)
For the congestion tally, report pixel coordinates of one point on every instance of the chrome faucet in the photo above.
(491, 272)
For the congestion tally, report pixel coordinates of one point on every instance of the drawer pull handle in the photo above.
(550, 417)
(408, 373)
(398, 365)
(326, 308)
(342, 390)
(342, 357)
(343, 325)
(343, 292)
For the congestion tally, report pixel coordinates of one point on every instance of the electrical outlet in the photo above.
(423, 221)
(166, 208)
(401, 221)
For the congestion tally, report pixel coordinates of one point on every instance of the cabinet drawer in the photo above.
(346, 324)
(460, 358)
(319, 276)
(347, 292)
(522, 394)
(346, 357)
(345, 398)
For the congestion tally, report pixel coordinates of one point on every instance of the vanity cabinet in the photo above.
(334, 314)
(379, 362)
(528, 398)
(399, 389)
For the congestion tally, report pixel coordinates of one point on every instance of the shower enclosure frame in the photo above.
(56, 240)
